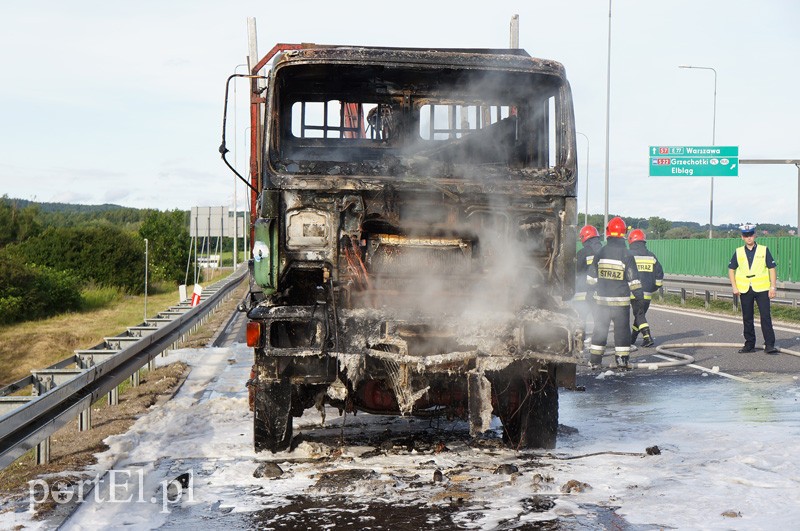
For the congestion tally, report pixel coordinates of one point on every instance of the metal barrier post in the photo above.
(85, 419)
(113, 396)
(43, 452)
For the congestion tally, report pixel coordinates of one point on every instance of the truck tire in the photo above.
(272, 428)
(528, 409)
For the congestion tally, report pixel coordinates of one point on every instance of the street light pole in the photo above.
(235, 180)
(146, 260)
(713, 143)
(586, 199)
(608, 114)
(246, 213)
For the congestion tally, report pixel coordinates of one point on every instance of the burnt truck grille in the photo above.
(404, 256)
(405, 271)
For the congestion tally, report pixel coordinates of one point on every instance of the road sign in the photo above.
(694, 161)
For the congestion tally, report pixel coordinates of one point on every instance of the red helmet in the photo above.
(588, 231)
(616, 228)
(636, 235)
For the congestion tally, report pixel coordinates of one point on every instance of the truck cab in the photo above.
(414, 218)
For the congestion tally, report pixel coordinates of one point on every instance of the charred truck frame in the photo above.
(414, 237)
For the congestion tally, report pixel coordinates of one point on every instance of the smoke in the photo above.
(463, 237)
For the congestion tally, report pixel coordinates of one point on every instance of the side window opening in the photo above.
(446, 121)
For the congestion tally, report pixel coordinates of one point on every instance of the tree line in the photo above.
(52, 253)
(50, 256)
(657, 228)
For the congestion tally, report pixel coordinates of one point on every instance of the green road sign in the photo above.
(694, 161)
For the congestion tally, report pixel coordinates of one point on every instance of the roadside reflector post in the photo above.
(683, 296)
(708, 300)
(198, 290)
(736, 303)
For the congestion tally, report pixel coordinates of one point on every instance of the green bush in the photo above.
(11, 309)
(30, 292)
(102, 254)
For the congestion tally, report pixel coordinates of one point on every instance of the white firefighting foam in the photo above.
(724, 463)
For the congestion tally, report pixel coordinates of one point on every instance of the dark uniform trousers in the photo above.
(749, 300)
(621, 317)
(639, 312)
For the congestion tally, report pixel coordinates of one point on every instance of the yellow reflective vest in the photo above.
(756, 275)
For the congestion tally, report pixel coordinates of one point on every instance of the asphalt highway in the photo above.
(671, 325)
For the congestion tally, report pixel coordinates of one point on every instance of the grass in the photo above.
(106, 312)
(96, 298)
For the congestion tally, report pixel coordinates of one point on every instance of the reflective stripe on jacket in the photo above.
(613, 272)
(650, 271)
(756, 275)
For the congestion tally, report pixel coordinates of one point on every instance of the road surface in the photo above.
(683, 447)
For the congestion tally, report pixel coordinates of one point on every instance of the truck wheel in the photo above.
(272, 428)
(528, 409)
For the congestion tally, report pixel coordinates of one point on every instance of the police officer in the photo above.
(753, 277)
(584, 295)
(613, 273)
(651, 274)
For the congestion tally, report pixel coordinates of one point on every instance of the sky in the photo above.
(732, 466)
(121, 102)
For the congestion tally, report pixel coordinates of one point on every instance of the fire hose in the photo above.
(684, 359)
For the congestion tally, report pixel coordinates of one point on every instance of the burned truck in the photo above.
(413, 239)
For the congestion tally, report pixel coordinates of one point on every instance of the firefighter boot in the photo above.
(647, 339)
(595, 361)
(622, 363)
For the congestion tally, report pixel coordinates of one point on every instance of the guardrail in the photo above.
(68, 388)
(715, 288)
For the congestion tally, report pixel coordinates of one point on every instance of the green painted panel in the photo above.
(710, 258)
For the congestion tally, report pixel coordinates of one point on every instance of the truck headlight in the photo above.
(308, 229)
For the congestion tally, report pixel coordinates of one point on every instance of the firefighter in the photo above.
(584, 296)
(615, 277)
(651, 274)
(753, 278)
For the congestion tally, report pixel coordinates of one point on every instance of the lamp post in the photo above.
(235, 180)
(146, 260)
(246, 214)
(586, 199)
(608, 113)
(713, 143)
